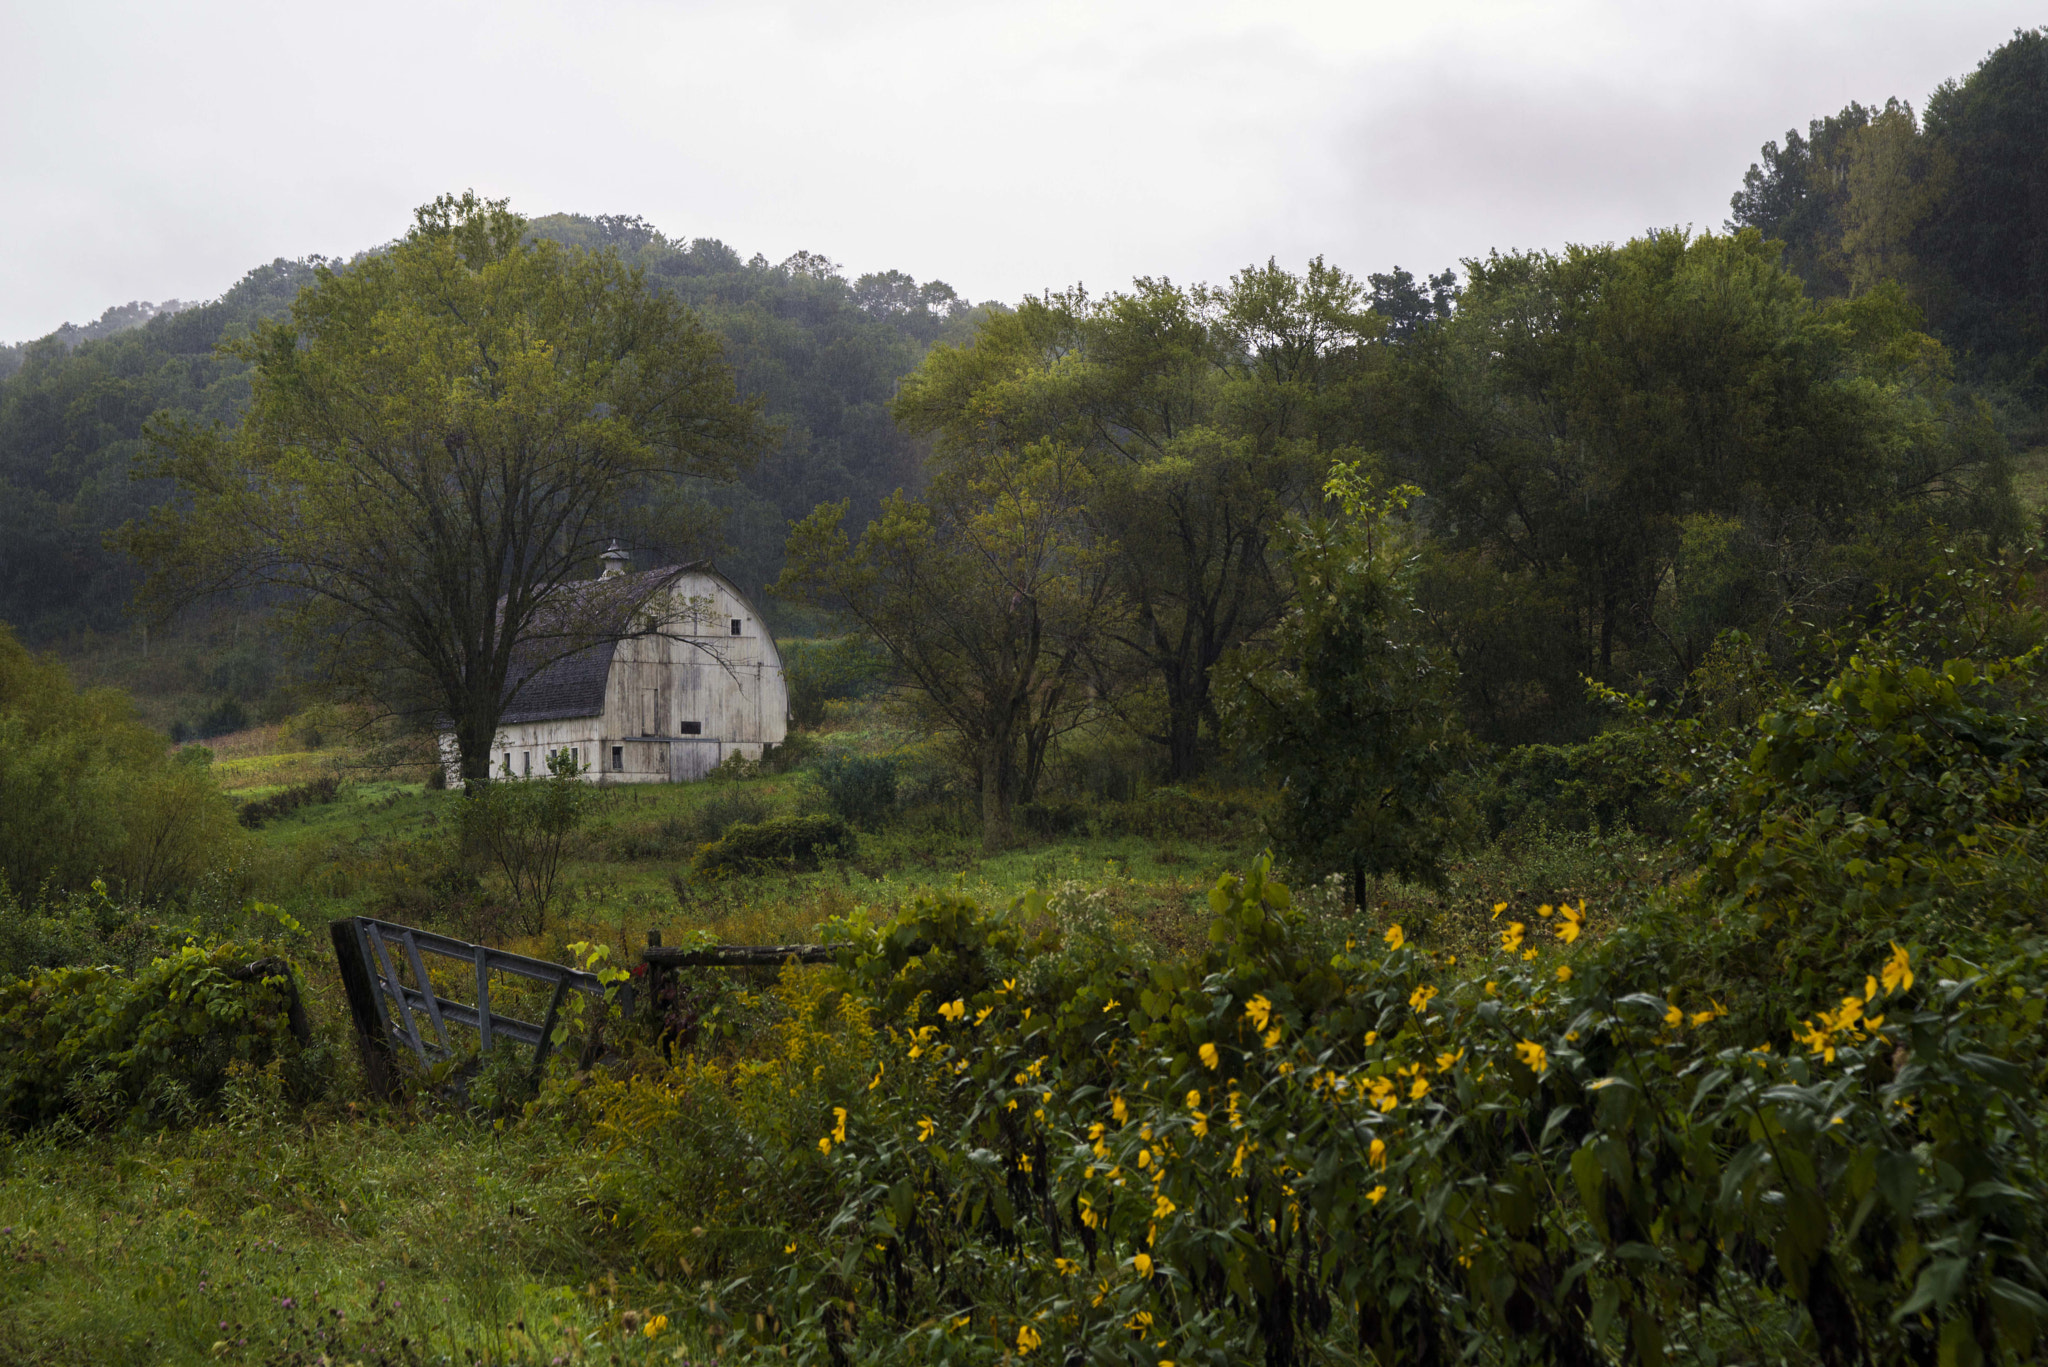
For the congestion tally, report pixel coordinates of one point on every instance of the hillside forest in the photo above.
(1494, 816)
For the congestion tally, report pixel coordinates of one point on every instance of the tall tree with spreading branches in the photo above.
(441, 438)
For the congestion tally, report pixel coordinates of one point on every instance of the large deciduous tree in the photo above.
(989, 596)
(440, 437)
(1204, 415)
(1643, 445)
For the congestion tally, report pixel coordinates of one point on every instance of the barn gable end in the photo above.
(695, 680)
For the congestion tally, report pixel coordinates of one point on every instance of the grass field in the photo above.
(426, 1234)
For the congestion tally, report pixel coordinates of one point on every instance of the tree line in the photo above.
(820, 352)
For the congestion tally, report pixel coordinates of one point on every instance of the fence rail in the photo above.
(389, 1012)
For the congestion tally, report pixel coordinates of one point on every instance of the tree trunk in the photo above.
(998, 786)
(1183, 734)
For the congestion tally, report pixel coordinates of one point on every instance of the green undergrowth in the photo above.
(441, 1241)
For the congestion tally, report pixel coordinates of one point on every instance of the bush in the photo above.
(788, 842)
(861, 788)
(319, 791)
(86, 792)
(1270, 1151)
(228, 715)
(1613, 780)
(524, 827)
(102, 1047)
(682, 834)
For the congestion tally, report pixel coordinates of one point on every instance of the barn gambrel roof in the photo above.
(573, 685)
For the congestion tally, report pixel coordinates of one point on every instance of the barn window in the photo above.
(735, 626)
(526, 759)
(618, 758)
(508, 764)
(692, 728)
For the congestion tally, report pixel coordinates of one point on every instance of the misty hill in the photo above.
(822, 352)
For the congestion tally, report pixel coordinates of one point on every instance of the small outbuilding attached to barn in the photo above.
(683, 676)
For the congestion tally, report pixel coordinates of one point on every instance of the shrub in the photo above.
(87, 792)
(787, 842)
(319, 791)
(102, 1047)
(861, 788)
(1615, 779)
(524, 827)
(1268, 1148)
(227, 715)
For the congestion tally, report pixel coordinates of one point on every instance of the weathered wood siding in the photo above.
(695, 672)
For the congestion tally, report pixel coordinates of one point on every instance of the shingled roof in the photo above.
(573, 685)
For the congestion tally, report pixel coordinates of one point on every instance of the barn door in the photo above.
(690, 760)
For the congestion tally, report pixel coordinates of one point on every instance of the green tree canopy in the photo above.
(1204, 415)
(1648, 443)
(991, 599)
(1351, 713)
(440, 439)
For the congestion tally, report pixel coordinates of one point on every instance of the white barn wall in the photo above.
(695, 671)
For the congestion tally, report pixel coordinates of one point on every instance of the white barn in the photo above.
(697, 681)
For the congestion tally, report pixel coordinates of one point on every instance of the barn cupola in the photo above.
(615, 562)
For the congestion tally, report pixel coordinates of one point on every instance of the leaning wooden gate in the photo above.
(391, 1013)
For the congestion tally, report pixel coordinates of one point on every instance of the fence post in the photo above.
(373, 1042)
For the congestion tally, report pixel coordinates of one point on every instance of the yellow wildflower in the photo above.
(1208, 1055)
(1897, 971)
(1111, 1005)
(1143, 1263)
(953, 1010)
(1395, 939)
(1418, 1000)
(654, 1326)
(983, 1014)
(925, 1130)
(1533, 1054)
(1511, 938)
(1119, 1112)
(1377, 1154)
(1258, 1008)
(1498, 908)
(1271, 1039)
(1161, 1207)
(1574, 921)
(1564, 973)
(1027, 1338)
(839, 1124)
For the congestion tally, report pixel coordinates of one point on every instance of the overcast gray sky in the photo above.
(156, 150)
